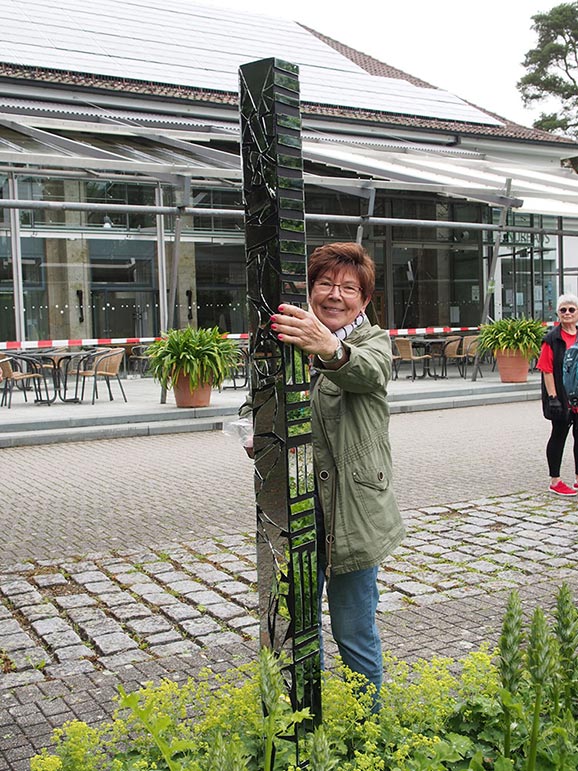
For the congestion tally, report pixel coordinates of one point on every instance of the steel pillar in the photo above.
(276, 273)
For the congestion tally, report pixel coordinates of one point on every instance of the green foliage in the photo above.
(552, 67)
(523, 335)
(511, 711)
(202, 355)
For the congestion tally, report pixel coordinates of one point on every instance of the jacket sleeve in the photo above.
(368, 368)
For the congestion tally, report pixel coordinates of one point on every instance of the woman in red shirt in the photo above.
(554, 401)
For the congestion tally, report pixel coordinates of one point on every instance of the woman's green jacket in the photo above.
(352, 454)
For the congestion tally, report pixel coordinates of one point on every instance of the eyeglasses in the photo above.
(571, 309)
(347, 290)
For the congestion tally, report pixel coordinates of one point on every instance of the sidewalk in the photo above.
(73, 630)
(144, 415)
(129, 560)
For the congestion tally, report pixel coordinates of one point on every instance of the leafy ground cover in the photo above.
(513, 709)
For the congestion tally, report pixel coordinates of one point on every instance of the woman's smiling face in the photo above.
(337, 298)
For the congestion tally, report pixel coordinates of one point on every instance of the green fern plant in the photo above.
(201, 355)
(522, 334)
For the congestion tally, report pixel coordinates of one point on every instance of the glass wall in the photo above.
(93, 274)
(436, 272)
(7, 317)
(221, 287)
(528, 271)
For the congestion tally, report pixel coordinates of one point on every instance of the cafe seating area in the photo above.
(55, 375)
(437, 357)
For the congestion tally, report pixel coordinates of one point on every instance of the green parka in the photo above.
(352, 455)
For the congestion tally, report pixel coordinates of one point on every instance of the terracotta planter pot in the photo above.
(200, 397)
(512, 366)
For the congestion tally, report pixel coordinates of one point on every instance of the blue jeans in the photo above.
(353, 599)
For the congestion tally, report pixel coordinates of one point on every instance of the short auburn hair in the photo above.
(332, 257)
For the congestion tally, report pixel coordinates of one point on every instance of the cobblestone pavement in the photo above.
(134, 559)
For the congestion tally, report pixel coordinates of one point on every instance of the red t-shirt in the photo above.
(546, 360)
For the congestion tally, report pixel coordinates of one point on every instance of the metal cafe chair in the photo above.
(239, 372)
(405, 349)
(471, 343)
(138, 361)
(395, 360)
(104, 363)
(452, 353)
(22, 372)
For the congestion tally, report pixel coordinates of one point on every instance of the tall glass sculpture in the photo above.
(276, 274)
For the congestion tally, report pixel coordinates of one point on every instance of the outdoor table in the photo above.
(60, 362)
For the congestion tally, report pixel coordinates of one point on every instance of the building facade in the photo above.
(120, 178)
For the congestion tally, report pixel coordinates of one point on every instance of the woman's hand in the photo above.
(302, 328)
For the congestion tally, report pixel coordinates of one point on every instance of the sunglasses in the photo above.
(571, 309)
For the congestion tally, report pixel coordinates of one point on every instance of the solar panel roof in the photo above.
(180, 42)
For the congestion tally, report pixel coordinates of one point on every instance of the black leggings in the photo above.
(555, 446)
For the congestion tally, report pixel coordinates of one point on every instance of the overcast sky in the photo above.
(473, 49)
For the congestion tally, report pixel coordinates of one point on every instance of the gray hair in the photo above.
(567, 299)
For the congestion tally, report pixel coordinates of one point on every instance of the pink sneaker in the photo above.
(560, 488)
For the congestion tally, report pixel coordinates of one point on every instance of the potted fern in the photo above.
(191, 362)
(514, 342)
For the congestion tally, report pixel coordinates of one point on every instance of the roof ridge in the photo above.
(369, 63)
(376, 67)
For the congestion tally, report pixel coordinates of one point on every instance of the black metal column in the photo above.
(276, 273)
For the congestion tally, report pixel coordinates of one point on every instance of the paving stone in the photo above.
(50, 626)
(29, 658)
(118, 597)
(61, 639)
(126, 612)
(23, 600)
(185, 587)
(73, 652)
(114, 643)
(100, 587)
(200, 626)
(9, 626)
(14, 588)
(123, 659)
(160, 598)
(75, 601)
(226, 610)
(182, 647)
(16, 642)
(149, 625)
(204, 597)
(16, 679)
(222, 639)
(68, 669)
(181, 612)
(173, 576)
(413, 588)
(160, 638)
(49, 579)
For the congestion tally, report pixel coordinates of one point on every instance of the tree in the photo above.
(553, 68)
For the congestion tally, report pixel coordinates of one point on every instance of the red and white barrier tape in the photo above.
(15, 345)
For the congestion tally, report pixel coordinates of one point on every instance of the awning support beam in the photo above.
(9, 203)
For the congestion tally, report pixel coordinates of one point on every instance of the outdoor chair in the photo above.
(406, 354)
(138, 361)
(21, 372)
(471, 343)
(239, 372)
(101, 363)
(395, 360)
(452, 353)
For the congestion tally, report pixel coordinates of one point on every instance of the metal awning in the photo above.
(542, 187)
(355, 164)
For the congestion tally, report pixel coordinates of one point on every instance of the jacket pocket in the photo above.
(329, 399)
(371, 477)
